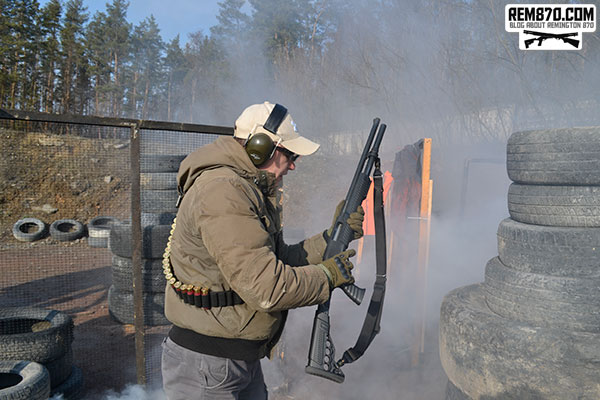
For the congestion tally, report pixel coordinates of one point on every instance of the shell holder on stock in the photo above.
(197, 296)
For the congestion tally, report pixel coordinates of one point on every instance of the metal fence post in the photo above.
(136, 256)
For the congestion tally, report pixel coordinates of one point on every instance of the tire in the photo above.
(163, 218)
(120, 305)
(572, 303)
(153, 279)
(488, 356)
(583, 318)
(555, 157)
(454, 393)
(555, 251)
(65, 230)
(158, 180)
(159, 201)
(570, 206)
(97, 242)
(60, 369)
(99, 227)
(154, 240)
(72, 388)
(21, 229)
(23, 380)
(540, 287)
(34, 334)
(160, 162)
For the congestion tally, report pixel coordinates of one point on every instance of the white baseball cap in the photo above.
(254, 118)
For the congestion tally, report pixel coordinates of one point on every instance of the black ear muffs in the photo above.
(259, 146)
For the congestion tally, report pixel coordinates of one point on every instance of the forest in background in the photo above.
(431, 66)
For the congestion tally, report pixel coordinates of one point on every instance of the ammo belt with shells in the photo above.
(198, 296)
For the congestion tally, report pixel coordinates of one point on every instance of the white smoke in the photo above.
(133, 392)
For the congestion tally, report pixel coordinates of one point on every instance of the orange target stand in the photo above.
(407, 204)
(418, 346)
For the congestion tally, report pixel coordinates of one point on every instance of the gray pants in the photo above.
(188, 375)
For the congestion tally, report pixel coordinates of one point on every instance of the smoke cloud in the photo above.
(444, 70)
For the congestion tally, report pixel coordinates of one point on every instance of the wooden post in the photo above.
(423, 252)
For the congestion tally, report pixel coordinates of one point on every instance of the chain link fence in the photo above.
(63, 181)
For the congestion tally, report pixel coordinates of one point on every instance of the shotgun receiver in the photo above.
(321, 357)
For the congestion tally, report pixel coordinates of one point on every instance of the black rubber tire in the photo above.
(120, 306)
(60, 369)
(454, 393)
(572, 303)
(160, 162)
(99, 227)
(544, 288)
(21, 232)
(556, 251)
(568, 156)
(72, 388)
(51, 340)
(65, 230)
(574, 206)
(488, 356)
(153, 279)
(584, 318)
(158, 180)
(154, 240)
(33, 384)
(159, 201)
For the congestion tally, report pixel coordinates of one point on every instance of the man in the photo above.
(231, 278)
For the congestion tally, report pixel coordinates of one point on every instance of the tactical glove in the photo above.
(355, 220)
(338, 267)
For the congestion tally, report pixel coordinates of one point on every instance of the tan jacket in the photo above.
(228, 236)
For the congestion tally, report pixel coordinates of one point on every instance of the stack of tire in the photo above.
(532, 329)
(158, 183)
(158, 198)
(37, 359)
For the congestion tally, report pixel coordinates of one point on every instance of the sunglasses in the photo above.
(291, 156)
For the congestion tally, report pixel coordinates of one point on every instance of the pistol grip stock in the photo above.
(355, 293)
(321, 357)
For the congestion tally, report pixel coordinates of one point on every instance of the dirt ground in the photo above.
(75, 177)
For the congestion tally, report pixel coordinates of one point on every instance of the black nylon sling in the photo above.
(371, 325)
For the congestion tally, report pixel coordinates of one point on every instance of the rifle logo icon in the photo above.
(541, 36)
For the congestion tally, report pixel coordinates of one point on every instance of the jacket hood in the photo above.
(223, 152)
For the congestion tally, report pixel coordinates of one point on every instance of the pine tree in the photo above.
(50, 52)
(118, 35)
(24, 49)
(97, 55)
(233, 23)
(73, 83)
(207, 66)
(6, 39)
(147, 48)
(175, 69)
